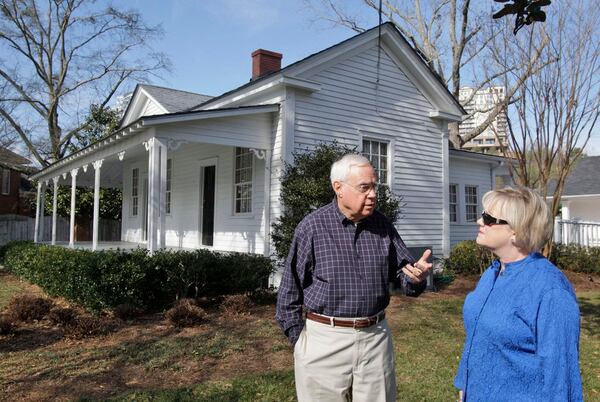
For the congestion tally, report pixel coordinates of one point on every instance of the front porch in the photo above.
(181, 185)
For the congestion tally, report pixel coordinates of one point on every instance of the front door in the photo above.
(208, 205)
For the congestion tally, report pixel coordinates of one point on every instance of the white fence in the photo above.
(578, 232)
(14, 227)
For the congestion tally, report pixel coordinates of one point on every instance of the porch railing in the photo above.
(14, 227)
(585, 233)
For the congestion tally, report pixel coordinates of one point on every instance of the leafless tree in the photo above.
(454, 38)
(58, 57)
(558, 108)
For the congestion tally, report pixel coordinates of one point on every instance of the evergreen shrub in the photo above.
(105, 279)
(468, 258)
(306, 186)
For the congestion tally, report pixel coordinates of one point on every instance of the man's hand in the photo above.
(418, 271)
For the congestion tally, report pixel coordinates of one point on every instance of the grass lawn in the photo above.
(242, 358)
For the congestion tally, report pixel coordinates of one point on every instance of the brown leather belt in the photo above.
(345, 322)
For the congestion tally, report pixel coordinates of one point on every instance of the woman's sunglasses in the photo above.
(489, 220)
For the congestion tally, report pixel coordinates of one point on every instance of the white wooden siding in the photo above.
(231, 233)
(348, 107)
(251, 131)
(467, 173)
(151, 109)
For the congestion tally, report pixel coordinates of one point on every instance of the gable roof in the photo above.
(168, 99)
(387, 27)
(174, 100)
(583, 179)
(14, 161)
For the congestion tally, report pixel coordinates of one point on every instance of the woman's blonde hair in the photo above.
(526, 212)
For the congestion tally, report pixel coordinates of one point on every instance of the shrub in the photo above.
(6, 326)
(105, 279)
(62, 316)
(236, 305)
(467, 257)
(305, 186)
(29, 308)
(264, 296)
(85, 326)
(185, 313)
(574, 257)
(126, 311)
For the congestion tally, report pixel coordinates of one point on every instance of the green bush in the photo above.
(305, 186)
(468, 258)
(574, 257)
(106, 279)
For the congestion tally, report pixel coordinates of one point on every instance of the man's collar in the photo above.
(343, 218)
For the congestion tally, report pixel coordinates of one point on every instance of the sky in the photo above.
(210, 42)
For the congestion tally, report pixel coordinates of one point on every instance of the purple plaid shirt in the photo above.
(340, 269)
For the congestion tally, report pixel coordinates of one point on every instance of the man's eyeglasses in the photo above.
(364, 188)
(489, 220)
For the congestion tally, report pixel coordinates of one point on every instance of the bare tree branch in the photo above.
(65, 51)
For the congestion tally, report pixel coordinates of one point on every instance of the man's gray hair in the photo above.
(341, 168)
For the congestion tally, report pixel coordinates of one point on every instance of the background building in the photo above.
(479, 106)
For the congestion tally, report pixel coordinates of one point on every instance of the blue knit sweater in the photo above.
(522, 335)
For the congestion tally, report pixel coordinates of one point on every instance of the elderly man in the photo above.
(338, 269)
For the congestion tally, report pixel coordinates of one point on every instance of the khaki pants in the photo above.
(330, 362)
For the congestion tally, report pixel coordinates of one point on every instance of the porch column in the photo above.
(72, 223)
(567, 226)
(54, 206)
(37, 213)
(163, 193)
(43, 211)
(97, 165)
(153, 192)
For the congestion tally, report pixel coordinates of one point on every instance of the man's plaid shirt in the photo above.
(339, 269)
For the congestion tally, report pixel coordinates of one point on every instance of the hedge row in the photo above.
(105, 279)
(469, 258)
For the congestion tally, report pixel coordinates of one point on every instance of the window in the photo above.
(5, 179)
(168, 190)
(135, 199)
(453, 199)
(471, 203)
(243, 181)
(377, 153)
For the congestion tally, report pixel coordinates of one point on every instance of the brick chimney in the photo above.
(265, 62)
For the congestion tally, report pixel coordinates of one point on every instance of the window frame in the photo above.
(169, 187)
(468, 204)
(454, 204)
(4, 183)
(250, 183)
(135, 198)
(381, 140)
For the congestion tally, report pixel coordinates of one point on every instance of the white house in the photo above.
(579, 221)
(205, 172)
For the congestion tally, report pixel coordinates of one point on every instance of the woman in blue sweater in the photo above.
(522, 319)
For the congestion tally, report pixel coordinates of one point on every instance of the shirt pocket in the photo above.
(317, 294)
